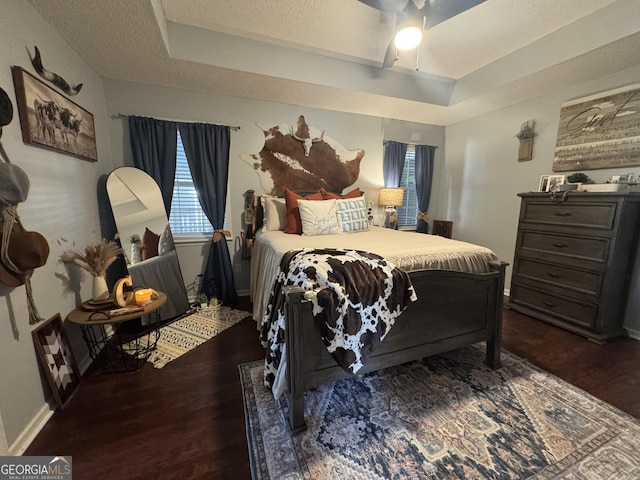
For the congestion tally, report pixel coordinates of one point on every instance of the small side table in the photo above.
(118, 343)
(443, 228)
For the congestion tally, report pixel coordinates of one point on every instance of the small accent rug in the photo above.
(180, 336)
(446, 417)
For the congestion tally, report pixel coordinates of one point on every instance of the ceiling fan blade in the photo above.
(437, 11)
(389, 6)
(391, 56)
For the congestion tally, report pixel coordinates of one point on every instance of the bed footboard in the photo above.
(453, 310)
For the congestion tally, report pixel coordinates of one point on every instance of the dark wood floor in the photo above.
(186, 421)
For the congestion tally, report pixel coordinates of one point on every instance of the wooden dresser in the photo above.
(574, 259)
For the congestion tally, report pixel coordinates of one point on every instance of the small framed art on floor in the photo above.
(57, 359)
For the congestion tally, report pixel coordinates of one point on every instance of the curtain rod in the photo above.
(124, 115)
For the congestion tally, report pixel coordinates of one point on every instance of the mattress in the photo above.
(410, 251)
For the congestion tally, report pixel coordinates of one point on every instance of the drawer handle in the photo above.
(554, 275)
(563, 214)
(560, 245)
(550, 304)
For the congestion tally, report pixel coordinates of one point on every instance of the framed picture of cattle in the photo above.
(49, 119)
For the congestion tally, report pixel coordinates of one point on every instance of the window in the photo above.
(186, 213)
(408, 212)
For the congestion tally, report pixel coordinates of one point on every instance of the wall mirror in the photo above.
(145, 236)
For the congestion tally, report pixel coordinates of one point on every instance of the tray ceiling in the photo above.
(328, 53)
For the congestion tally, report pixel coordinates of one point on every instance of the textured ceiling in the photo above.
(328, 53)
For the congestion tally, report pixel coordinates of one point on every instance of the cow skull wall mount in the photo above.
(302, 157)
(307, 141)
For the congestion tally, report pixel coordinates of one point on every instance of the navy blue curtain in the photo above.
(424, 178)
(153, 145)
(207, 149)
(393, 163)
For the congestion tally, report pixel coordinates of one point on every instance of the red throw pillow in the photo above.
(149, 244)
(329, 195)
(294, 224)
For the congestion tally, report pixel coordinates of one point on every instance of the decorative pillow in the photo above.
(165, 244)
(318, 217)
(294, 224)
(352, 214)
(329, 195)
(149, 244)
(275, 213)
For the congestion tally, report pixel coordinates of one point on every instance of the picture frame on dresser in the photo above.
(554, 182)
(544, 182)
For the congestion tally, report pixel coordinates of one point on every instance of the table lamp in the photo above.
(391, 198)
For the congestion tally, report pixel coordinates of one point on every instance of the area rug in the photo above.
(180, 336)
(446, 417)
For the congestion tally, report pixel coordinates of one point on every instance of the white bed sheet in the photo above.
(410, 251)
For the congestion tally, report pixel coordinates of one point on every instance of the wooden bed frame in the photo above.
(453, 310)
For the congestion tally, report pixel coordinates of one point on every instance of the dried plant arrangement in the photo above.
(95, 258)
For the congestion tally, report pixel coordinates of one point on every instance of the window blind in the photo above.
(186, 213)
(408, 212)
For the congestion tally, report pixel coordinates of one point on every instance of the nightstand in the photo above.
(120, 343)
(443, 228)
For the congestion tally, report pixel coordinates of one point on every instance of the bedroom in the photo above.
(478, 173)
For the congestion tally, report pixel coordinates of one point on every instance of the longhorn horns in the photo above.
(314, 140)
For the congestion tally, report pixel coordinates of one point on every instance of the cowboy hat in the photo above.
(14, 185)
(27, 251)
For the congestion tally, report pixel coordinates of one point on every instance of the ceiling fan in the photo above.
(412, 17)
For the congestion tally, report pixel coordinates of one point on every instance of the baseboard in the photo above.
(241, 293)
(36, 424)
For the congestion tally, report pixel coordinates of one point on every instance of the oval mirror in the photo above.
(146, 238)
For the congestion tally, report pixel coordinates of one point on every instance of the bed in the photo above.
(459, 289)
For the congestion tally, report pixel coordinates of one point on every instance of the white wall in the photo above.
(482, 177)
(61, 205)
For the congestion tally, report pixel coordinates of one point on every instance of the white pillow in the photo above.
(274, 213)
(352, 214)
(165, 244)
(318, 217)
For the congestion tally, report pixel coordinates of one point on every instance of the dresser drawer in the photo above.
(581, 314)
(588, 215)
(560, 276)
(580, 247)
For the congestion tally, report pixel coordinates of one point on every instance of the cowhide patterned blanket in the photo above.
(356, 298)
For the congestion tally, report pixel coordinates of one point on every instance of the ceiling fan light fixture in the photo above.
(408, 38)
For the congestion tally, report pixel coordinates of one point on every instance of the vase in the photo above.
(99, 289)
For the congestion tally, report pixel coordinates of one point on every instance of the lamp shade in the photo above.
(391, 197)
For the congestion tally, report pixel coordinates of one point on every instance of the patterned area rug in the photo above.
(180, 336)
(446, 417)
